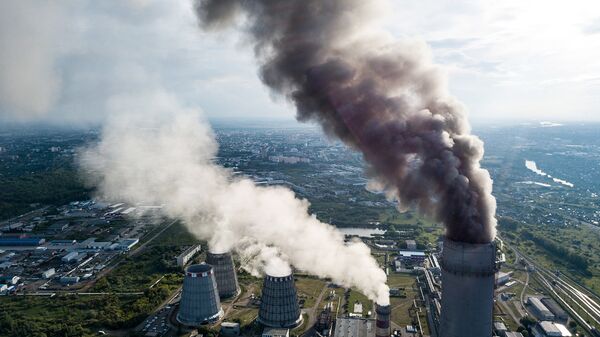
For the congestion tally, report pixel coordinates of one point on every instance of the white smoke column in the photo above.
(154, 151)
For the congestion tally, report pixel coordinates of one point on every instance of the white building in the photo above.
(550, 329)
(184, 258)
(411, 245)
(49, 273)
(72, 256)
(539, 309)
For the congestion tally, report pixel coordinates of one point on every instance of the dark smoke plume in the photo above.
(381, 97)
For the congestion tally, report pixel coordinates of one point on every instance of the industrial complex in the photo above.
(449, 289)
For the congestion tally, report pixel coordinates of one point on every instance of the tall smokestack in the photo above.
(468, 272)
(383, 320)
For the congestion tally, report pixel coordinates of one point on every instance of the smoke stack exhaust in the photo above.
(383, 320)
(381, 97)
(468, 278)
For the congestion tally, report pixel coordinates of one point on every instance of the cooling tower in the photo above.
(199, 299)
(383, 320)
(279, 303)
(225, 275)
(467, 289)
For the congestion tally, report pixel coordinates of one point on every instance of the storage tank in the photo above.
(468, 272)
(199, 299)
(227, 283)
(279, 303)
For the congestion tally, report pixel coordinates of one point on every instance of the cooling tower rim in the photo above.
(289, 277)
(461, 244)
(202, 268)
(218, 253)
(383, 309)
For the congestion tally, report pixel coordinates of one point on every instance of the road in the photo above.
(522, 297)
(313, 313)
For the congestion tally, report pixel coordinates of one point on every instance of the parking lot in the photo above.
(157, 324)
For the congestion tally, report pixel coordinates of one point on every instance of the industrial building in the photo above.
(276, 332)
(502, 278)
(230, 329)
(354, 327)
(49, 273)
(468, 279)
(512, 334)
(550, 329)
(199, 302)
(279, 303)
(185, 257)
(227, 282)
(559, 314)
(20, 241)
(66, 280)
(539, 309)
(411, 257)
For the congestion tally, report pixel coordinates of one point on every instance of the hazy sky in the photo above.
(506, 59)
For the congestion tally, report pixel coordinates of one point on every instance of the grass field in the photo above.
(309, 288)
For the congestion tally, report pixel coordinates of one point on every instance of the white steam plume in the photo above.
(153, 150)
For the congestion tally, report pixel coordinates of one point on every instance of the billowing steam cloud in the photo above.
(379, 96)
(154, 151)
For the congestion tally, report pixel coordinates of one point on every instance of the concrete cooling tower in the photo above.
(227, 282)
(199, 299)
(383, 320)
(279, 303)
(468, 272)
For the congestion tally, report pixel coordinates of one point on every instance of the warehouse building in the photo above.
(354, 327)
(550, 329)
(539, 309)
(186, 256)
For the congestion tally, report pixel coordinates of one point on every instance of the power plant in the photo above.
(224, 269)
(468, 279)
(279, 303)
(200, 302)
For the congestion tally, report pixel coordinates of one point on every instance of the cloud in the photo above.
(30, 35)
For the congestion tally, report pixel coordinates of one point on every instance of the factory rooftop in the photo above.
(354, 327)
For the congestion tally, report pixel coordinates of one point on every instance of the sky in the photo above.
(62, 62)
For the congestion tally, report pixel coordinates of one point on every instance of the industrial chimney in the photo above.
(199, 299)
(468, 272)
(227, 282)
(279, 303)
(383, 320)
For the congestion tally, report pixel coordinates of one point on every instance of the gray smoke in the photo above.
(381, 97)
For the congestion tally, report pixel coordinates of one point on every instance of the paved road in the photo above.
(313, 313)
